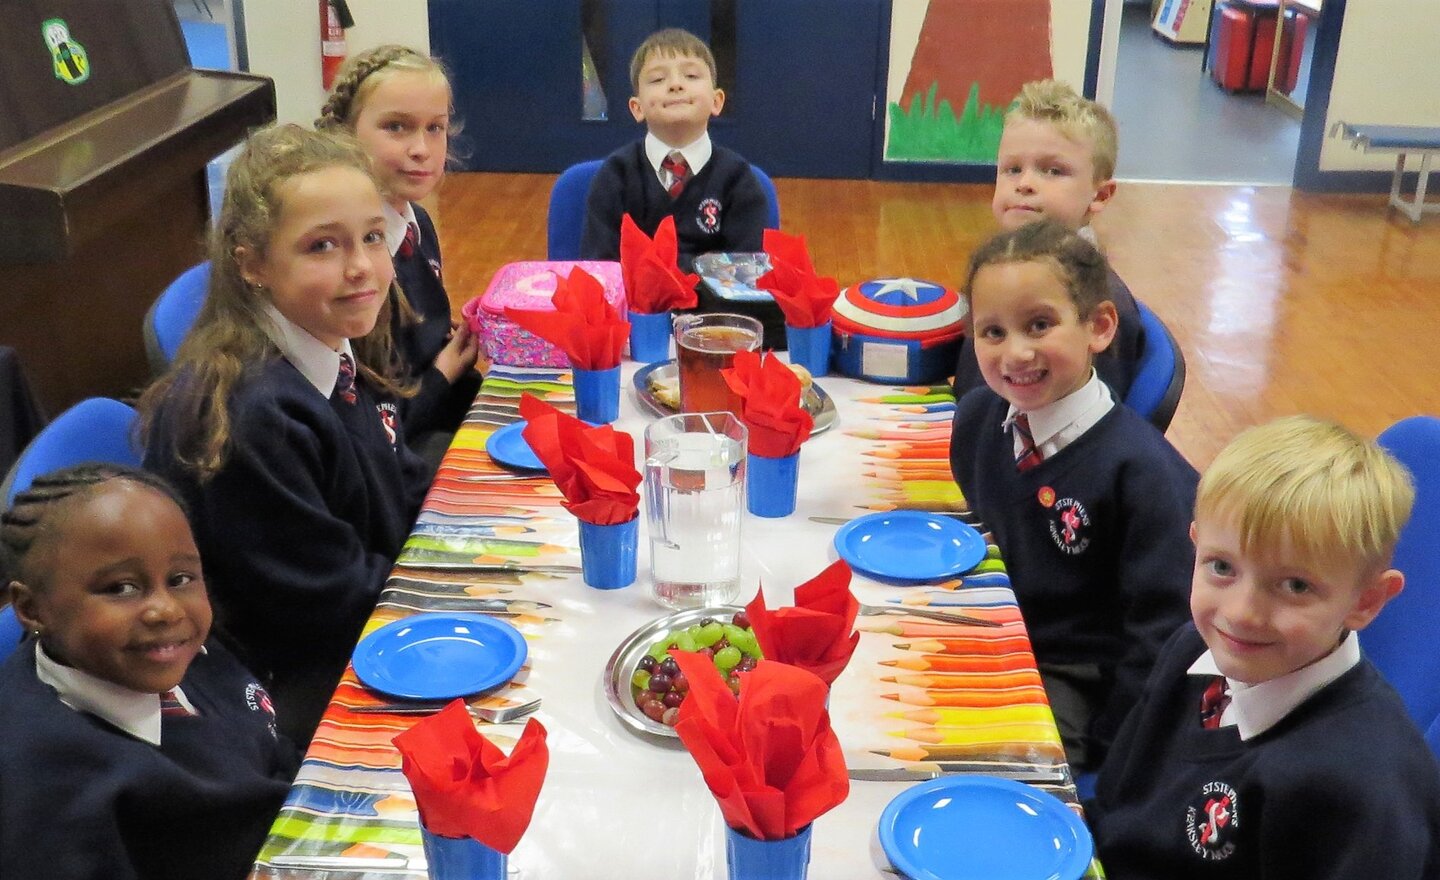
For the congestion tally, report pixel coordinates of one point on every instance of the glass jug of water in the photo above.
(695, 501)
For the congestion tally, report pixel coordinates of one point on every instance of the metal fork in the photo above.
(484, 713)
(926, 613)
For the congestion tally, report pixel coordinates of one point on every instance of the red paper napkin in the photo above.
(584, 325)
(465, 786)
(653, 280)
(769, 404)
(770, 757)
(817, 634)
(594, 467)
(805, 298)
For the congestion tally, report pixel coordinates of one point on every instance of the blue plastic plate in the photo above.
(983, 828)
(439, 656)
(507, 447)
(907, 545)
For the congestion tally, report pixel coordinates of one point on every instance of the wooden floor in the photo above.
(1283, 302)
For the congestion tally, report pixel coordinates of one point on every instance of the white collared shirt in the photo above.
(1255, 708)
(316, 361)
(1057, 425)
(133, 712)
(395, 225)
(696, 154)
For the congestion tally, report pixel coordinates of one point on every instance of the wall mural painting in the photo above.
(955, 66)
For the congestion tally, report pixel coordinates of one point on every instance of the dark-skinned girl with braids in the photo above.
(131, 744)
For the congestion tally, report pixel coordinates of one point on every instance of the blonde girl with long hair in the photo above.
(278, 421)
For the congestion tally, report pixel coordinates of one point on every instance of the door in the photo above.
(542, 84)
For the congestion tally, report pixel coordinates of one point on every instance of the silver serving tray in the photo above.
(627, 657)
(815, 400)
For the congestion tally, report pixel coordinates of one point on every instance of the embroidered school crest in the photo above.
(389, 418)
(1212, 822)
(1070, 526)
(69, 61)
(708, 217)
(258, 699)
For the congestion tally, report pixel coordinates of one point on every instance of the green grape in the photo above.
(710, 634)
(661, 649)
(733, 632)
(641, 679)
(727, 659)
(747, 645)
(686, 642)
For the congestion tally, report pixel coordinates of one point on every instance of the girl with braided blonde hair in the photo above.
(397, 103)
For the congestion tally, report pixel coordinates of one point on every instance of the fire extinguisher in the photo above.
(334, 19)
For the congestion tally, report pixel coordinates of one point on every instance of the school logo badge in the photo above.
(708, 217)
(1212, 822)
(1046, 496)
(258, 699)
(71, 64)
(389, 418)
(1069, 526)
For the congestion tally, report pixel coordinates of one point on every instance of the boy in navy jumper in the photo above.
(1265, 747)
(1057, 161)
(675, 170)
(1087, 501)
(130, 746)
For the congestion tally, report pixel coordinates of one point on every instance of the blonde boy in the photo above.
(1057, 161)
(1265, 745)
(675, 170)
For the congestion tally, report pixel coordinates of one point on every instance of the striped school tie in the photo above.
(345, 380)
(1029, 455)
(409, 242)
(171, 705)
(1214, 702)
(679, 171)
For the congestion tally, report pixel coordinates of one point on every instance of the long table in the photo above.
(619, 804)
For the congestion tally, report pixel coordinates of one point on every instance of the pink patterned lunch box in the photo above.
(530, 285)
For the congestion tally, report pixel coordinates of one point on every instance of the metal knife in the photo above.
(909, 774)
(339, 863)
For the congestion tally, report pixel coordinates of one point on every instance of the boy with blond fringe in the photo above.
(1265, 746)
(675, 170)
(1057, 161)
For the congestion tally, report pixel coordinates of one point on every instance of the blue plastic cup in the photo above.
(770, 484)
(597, 395)
(810, 347)
(751, 859)
(650, 337)
(461, 858)
(607, 554)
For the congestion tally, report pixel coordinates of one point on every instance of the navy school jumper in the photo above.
(1096, 540)
(721, 209)
(83, 800)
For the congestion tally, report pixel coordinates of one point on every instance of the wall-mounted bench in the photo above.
(1401, 140)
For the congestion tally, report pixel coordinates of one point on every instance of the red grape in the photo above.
(741, 619)
(653, 709)
(679, 683)
(670, 716)
(660, 682)
(672, 699)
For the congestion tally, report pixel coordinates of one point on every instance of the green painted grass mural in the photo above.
(930, 133)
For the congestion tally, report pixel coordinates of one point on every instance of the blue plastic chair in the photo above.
(173, 314)
(11, 632)
(96, 429)
(1400, 642)
(1432, 737)
(566, 217)
(1155, 392)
